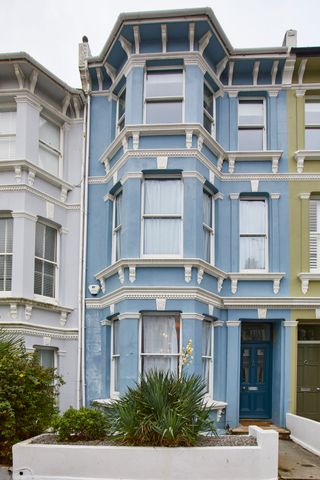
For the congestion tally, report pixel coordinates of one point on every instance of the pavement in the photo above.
(4, 474)
(296, 463)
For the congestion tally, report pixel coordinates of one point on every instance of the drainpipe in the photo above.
(83, 254)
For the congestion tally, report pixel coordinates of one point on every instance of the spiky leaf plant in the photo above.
(161, 410)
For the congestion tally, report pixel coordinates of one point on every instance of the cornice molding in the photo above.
(41, 305)
(36, 331)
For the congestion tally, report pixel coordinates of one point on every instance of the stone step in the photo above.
(243, 429)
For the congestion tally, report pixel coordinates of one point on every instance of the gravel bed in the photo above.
(204, 441)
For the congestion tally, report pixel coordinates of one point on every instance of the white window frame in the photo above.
(210, 358)
(115, 229)
(265, 236)
(314, 236)
(210, 230)
(115, 357)
(311, 126)
(141, 354)
(45, 298)
(5, 293)
(51, 149)
(206, 113)
(123, 116)
(9, 108)
(159, 99)
(262, 127)
(143, 216)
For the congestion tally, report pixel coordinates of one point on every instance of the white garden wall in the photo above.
(71, 462)
(305, 432)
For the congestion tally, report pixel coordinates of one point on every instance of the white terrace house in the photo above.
(41, 142)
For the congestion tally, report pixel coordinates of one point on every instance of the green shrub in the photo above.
(161, 410)
(82, 424)
(28, 394)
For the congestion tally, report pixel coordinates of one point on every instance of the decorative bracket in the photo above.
(220, 283)
(102, 285)
(161, 303)
(200, 142)
(304, 285)
(135, 140)
(187, 274)
(200, 275)
(17, 172)
(189, 134)
(234, 285)
(31, 177)
(132, 273)
(13, 311)
(232, 160)
(63, 318)
(121, 275)
(28, 311)
(275, 164)
(262, 313)
(276, 285)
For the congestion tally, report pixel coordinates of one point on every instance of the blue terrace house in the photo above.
(187, 212)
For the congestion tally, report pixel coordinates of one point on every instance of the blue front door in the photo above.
(256, 381)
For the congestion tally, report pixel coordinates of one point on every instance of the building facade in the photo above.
(192, 193)
(41, 152)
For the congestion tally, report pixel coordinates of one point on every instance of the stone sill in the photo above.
(306, 277)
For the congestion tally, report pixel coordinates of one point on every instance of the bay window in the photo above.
(45, 260)
(164, 96)
(251, 124)
(253, 235)
(7, 134)
(162, 217)
(49, 146)
(207, 354)
(312, 124)
(6, 241)
(314, 236)
(160, 343)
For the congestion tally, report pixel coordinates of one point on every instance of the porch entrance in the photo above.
(256, 370)
(308, 381)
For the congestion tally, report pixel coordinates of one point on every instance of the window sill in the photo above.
(275, 277)
(306, 277)
(215, 404)
(254, 156)
(301, 156)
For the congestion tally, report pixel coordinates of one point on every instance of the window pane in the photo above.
(118, 204)
(308, 332)
(46, 357)
(121, 104)
(164, 84)
(162, 197)
(207, 123)
(49, 133)
(206, 338)
(162, 236)
(207, 209)
(253, 217)
(251, 112)
(208, 100)
(8, 122)
(160, 334)
(50, 244)
(312, 138)
(164, 112)
(40, 234)
(48, 279)
(38, 267)
(6, 235)
(252, 253)
(8, 147)
(207, 245)
(116, 365)
(312, 112)
(116, 337)
(251, 139)
(49, 160)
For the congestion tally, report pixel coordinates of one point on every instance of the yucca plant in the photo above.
(162, 409)
(10, 343)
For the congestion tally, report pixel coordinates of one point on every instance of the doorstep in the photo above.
(243, 428)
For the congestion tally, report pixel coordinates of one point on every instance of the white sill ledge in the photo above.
(301, 156)
(274, 277)
(306, 277)
(210, 403)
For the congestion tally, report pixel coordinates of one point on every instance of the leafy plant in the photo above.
(162, 409)
(82, 424)
(27, 394)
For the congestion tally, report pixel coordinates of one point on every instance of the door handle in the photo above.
(318, 389)
(243, 388)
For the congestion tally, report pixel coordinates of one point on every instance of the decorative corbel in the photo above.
(234, 285)
(275, 164)
(204, 41)
(161, 303)
(276, 285)
(135, 140)
(102, 285)
(232, 161)
(191, 36)
(33, 80)
(121, 275)
(63, 318)
(111, 71)
(31, 177)
(164, 37)
(189, 134)
(200, 275)
(124, 144)
(28, 311)
(304, 285)
(106, 165)
(63, 194)
(17, 172)
(132, 273)
(13, 311)
(137, 39)
(66, 103)
(220, 283)
(200, 142)
(262, 313)
(187, 274)
(126, 45)
(19, 74)
(220, 163)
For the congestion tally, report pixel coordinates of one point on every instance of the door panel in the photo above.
(255, 382)
(308, 392)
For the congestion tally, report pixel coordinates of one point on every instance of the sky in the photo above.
(50, 30)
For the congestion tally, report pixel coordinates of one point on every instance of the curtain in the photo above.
(252, 253)
(162, 235)
(253, 216)
(160, 335)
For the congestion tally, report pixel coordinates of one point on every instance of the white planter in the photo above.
(305, 432)
(79, 462)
